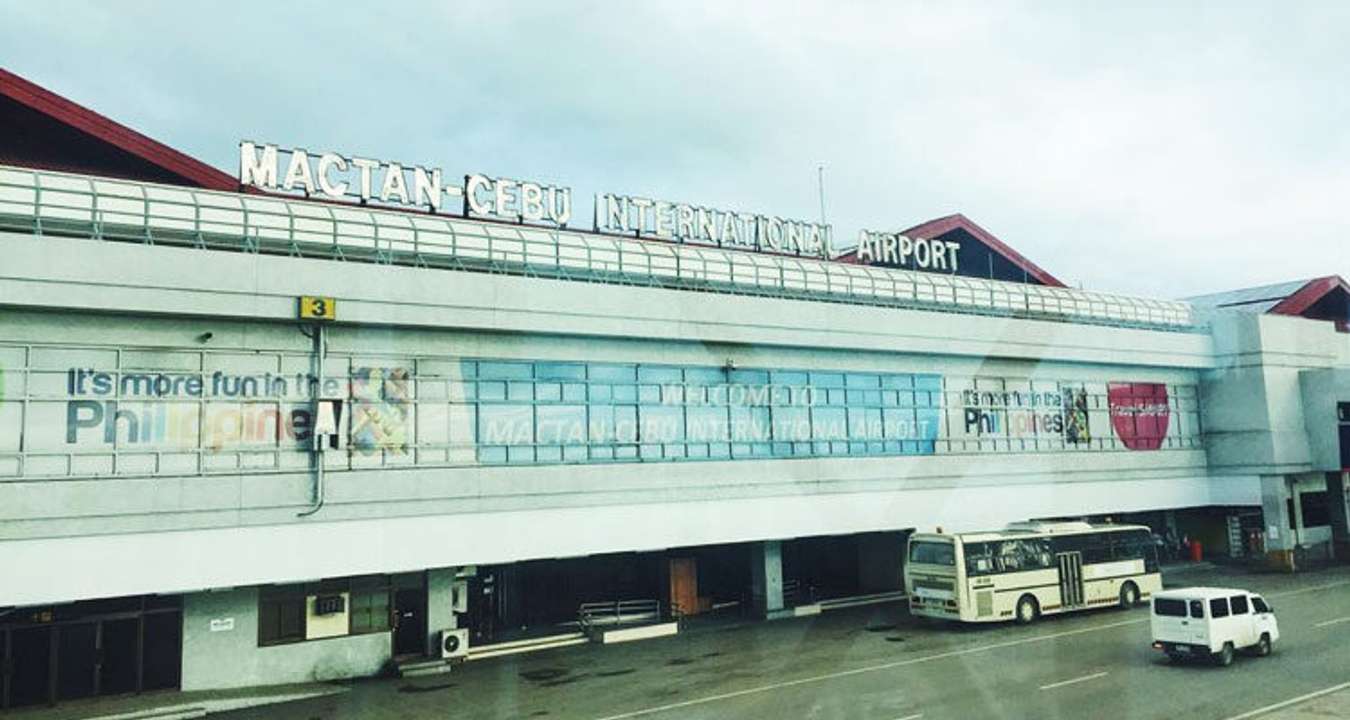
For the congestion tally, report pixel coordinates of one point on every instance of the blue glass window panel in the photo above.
(907, 399)
(706, 424)
(649, 394)
(899, 424)
(698, 451)
(506, 424)
(927, 422)
(601, 394)
(749, 377)
(661, 424)
(602, 452)
(492, 455)
(898, 382)
(784, 377)
(832, 397)
(574, 392)
(651, 452)
(625, 393)
(548, 392)
(928, 382)
(561, 424)
(762, 449)
(574, 453)
(829, 424)
(894, 447)
(857, 448)
(659, 374)
(491, 391)
(468, 369)
(625, 452)
(675, 394)
(827, 380)
(560, 371)
(626, 423)
(801, 449)
(864, 424)
(601, 425)
(890, 397)
(858, 380)
(548, 453)
(673, 451)
(705, 376)
(520, 391)
(613, 373)
(520, 455)
(505, 370)
(719, 450)
(750, 424)
(791, 423)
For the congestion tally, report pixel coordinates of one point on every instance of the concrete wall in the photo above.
(232, 658)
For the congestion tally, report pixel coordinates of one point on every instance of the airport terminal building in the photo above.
(310, 420)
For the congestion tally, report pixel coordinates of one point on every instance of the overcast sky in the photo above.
(1159, 152)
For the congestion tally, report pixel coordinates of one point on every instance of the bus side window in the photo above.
(1259, 605)
(1197, 608)
(1239, 604)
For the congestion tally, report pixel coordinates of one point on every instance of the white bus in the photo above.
(1029, 570)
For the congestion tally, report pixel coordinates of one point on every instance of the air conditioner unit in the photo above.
(455, 643)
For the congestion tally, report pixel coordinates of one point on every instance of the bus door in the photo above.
(1070, 579)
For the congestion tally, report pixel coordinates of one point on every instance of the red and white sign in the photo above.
(1140, 413)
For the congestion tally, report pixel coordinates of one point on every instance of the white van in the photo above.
(1212, 623)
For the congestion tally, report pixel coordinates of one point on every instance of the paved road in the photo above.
(880, 664)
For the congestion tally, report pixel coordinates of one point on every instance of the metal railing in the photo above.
(618, 612)
(41, 203)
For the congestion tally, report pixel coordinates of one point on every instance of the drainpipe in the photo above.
(316, 454)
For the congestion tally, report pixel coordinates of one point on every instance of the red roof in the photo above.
(943, 225)
(107, 132)
(1312, 291)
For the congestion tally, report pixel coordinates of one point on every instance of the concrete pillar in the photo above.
(766, 579)
(1338, 507)
(1280, 539)
(879, 561)
(440, 607)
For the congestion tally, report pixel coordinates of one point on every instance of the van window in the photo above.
(1239, 603)
(1197, 608)
(1218, 607)
(1169, 607)
(1259, 605)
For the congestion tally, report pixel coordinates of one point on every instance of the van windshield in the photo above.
(1170, 607)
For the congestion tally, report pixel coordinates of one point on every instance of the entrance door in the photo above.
(30, 661)
(410, 633)
(76, 660)
(1071, 579)
(118, 662)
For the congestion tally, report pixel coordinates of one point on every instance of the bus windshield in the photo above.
(932, 552)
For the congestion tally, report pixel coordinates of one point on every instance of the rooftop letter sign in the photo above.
(339, 177)
(678, 222)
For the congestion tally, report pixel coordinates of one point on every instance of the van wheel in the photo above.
(1027, 609)
(1225, 656)
(1129, 595)
(1263, 645)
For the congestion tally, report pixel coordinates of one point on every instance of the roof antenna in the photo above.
(820, 185)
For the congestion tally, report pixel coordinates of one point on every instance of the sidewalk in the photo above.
(174, 705)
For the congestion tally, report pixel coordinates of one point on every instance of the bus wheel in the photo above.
(1129, 595)
(1027, 609)
(1263, 645)
(1225, 656)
